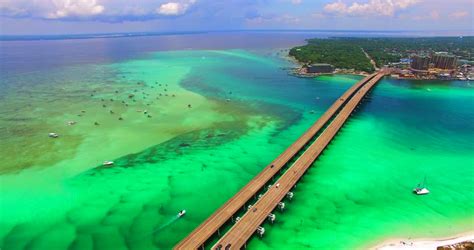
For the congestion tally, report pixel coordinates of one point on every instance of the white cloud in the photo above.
(174, 8)
(77, 8)
(102, 10)
(369, 8)
(51, 9)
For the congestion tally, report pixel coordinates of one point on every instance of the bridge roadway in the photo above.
(198, 237)
(238, 235)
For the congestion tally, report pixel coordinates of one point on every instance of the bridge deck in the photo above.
(212, 224)
(238, 235)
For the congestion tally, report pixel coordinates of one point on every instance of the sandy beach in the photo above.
(425, 243)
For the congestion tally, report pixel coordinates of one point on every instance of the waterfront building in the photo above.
(320, 68)
(466, 68)
(443, 60)
(420, 62)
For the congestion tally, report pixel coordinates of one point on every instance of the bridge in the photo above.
(312, 143)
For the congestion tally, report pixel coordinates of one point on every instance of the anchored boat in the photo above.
(53, 135)
(421, 188)
(108, 163)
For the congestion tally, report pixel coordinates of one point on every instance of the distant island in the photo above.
(418, 58)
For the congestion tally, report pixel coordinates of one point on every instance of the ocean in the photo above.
(188, 119)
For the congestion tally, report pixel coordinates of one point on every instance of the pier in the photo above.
(312, 142)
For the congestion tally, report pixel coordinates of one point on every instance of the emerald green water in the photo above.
(55, 194)
(358, 192)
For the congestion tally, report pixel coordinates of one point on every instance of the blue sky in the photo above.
(104, 16)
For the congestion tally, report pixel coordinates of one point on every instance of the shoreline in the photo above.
(424, 243)
(296, 71)
(299, 71)
(341, 72)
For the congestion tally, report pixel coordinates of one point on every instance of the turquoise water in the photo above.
(358, 192)
(245, 110)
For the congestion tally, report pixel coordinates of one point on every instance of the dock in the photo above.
(312, 142)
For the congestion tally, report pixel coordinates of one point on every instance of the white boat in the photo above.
(53, 135)
(108, 163)
(181, 213)
(421, 189)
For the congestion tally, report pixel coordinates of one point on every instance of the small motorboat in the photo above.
(181, 213)
(421, 189)
(108, 163)
(53, 135)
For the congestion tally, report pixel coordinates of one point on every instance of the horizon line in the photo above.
(11, 37)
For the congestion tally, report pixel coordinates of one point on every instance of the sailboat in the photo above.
(421, 189)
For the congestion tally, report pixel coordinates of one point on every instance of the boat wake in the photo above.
(166, 224)
(161, 227)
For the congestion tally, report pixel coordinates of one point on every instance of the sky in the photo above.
(36, 17)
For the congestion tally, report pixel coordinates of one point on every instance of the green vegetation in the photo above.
(338, 52)
(387, 50)
(347, 52)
